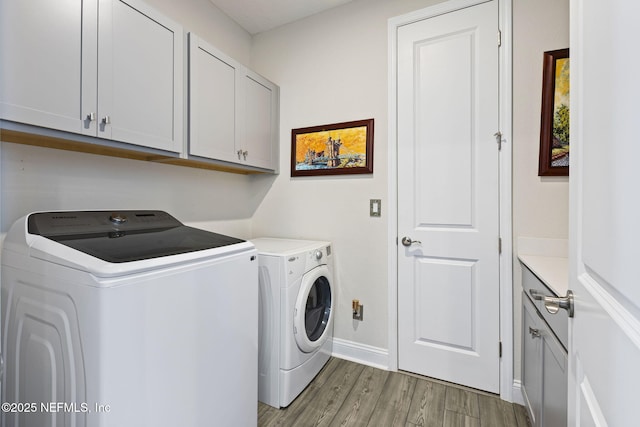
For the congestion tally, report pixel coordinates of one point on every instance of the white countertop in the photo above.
(552, 270)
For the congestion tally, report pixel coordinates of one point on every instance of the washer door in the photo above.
(314, 309)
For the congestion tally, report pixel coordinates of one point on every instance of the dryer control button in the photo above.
(318, 255)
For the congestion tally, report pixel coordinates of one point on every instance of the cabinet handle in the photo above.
(535, 333)
(91, 117)
(106, 120)
(239, 154)
(245, 154)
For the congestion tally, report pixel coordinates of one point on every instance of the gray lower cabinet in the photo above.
(544, 367)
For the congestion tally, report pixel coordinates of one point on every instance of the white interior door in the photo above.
(604, 335)
(448, 278)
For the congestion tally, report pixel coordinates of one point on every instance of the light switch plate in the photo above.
(375, 207)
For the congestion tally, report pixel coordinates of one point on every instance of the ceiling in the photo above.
(257, 16)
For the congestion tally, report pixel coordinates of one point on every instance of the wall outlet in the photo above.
(357, 310)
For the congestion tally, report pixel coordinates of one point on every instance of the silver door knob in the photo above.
(553, 305)
(406, 241)
(106, 120)
(91, 116)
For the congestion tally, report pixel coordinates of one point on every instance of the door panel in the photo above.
(604, 334)
(448, 280)
(439, 325)
(444, 72)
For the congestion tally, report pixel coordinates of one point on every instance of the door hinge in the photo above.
(499, 38)
(499, 245)
(500, 349)
(498, 136)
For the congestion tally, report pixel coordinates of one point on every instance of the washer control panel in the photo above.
(69, 223)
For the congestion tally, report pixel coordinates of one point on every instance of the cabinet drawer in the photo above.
(558, 322)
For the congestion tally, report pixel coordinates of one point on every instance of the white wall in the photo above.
(210, 23)
(540, 204)
(332, 67)
(35, 178)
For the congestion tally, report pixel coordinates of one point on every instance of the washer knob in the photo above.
(117, 218)
(318, 254)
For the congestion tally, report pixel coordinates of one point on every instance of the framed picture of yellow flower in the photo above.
(334, 149)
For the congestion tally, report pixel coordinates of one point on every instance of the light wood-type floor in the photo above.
(349, 394)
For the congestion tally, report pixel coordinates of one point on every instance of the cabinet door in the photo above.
(260, 132)
(212, 99)
(531, 361)
(554, 381)
(41, 44)
(140, 76)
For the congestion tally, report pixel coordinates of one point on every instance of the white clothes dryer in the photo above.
(297, 300)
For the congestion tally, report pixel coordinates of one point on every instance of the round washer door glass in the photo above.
(314, 310)
(318, 308)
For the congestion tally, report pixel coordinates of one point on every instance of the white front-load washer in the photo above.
(297, 299)
(127, 319)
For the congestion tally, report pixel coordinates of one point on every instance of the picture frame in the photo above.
(554, 122)
(333, 149)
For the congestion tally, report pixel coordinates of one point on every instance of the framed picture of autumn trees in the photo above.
(554, 129)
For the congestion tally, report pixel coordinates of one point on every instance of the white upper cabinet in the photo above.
(140, 76)
(260, 136)
(107, 68)
(41, 45)
(213, 110)
(233, 111)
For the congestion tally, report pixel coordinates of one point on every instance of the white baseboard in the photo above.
(516, 393)
(361, 353)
